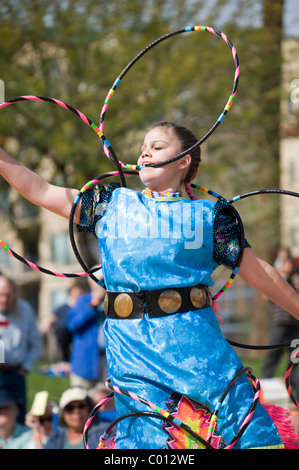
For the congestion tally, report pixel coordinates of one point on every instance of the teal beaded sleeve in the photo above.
(226, 235)
(94, 204)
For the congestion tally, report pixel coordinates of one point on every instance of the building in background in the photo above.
(289, 146)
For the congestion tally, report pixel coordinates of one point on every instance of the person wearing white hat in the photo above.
(73, 394)
(75, 407)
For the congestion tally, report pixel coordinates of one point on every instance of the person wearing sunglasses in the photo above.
(75, 407)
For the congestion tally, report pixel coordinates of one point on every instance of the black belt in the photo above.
(156, 303)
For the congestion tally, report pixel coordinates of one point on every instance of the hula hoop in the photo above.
(219, 120)
(34, 266)
(96, 180)
(86, 120)
(83, 117)
(108, 149)
(242, 238)
(90, 184)
(159, 413)
(263, 191)
(249, 414)
(294, 356)
(285, 344)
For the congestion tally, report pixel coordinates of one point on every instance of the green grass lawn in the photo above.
(37, 382)
(257, 364)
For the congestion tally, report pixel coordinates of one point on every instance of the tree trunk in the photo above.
(267, 175)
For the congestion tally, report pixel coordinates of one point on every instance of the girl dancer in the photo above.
(158, 251)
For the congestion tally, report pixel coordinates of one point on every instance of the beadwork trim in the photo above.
(164, 194)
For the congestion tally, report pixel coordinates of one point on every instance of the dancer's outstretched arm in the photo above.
(37, 190)
(263, 277)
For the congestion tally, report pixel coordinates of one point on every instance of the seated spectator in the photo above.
(75, 407)
(107, 412)
(12, 434)
(42, 426)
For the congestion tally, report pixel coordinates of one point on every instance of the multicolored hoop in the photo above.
(235, 270)
(263, 191)
(83, 117)
(158, 412)
(95, 181)
(99, 130)
(257, 388)
(284, 344)
(244, 196)
(219, 120)
(113, 157)
(295, 354)
(88, 272)
(90, 184)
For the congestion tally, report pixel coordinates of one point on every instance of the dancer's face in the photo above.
(161, 144)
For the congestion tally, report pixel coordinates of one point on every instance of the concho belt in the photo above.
(156, 303)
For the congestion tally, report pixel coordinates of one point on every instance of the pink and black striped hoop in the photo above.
(108, 149)
(82, 116)
(159, 413)
(88, 272)
(113, 157)
(294, 360)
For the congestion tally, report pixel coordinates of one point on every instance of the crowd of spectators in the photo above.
(77, 326)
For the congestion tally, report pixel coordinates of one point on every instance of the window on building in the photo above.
(58, 298)
(60, 248)
(293, 237)
(292, 171)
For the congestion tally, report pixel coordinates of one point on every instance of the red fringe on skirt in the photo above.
(282, 420)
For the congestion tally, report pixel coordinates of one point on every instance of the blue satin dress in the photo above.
(181, 362)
